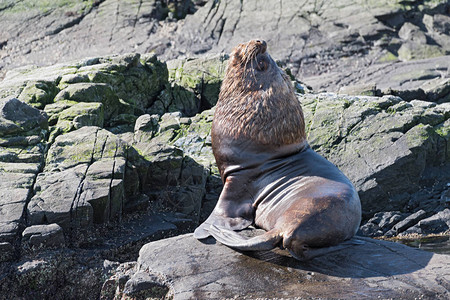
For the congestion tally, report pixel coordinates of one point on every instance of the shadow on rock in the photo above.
(372, 259)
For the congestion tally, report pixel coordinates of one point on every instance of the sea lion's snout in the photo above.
(261, 58)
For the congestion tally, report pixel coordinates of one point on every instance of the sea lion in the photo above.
(272, 178)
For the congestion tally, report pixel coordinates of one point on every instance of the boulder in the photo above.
(206, 269)
(38, 93)
(92, 92)
(43, 236)
(82, 181)
(17, 118)
(202, 75)
(141, 282)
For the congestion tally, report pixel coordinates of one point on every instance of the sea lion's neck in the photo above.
(271, 117)
(243, 155)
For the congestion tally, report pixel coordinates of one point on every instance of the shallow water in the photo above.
(436, 244)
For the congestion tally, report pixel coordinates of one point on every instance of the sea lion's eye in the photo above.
(263, 64)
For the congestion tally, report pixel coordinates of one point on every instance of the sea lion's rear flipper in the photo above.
(315, 252)
(266, 241)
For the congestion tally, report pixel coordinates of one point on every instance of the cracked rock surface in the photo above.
(386, 47)
(82, 181)
(22, 144)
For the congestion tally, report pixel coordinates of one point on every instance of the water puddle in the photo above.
(436, 244)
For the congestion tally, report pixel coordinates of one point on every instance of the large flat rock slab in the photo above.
(208, 270)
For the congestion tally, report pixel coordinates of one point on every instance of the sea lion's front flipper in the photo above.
(204, 230)
(233, 211)
(266, 241)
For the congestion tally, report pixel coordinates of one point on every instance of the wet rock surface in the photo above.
(211, 270)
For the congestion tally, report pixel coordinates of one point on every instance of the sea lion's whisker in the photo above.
(253, 71)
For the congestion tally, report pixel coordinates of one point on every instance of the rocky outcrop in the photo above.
(126, 133)
(32, 29)
(22, 149)
(374, 269)
(83, 180)
(106, 154)
(374, 140)
(321, 42)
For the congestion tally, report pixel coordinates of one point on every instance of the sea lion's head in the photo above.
(251, 68)
(257, 100)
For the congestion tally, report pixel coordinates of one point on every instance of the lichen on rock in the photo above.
(373, 140)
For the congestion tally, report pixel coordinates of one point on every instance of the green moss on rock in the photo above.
(83, 114)
(202, 75)
(94, 92)
(38, 93)
(419, 51)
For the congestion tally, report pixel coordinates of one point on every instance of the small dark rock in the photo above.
(390, 220)
(381, 223)
(6, 251)
(143, 283)
(370, 228)
(437, 223)
(409, 221)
